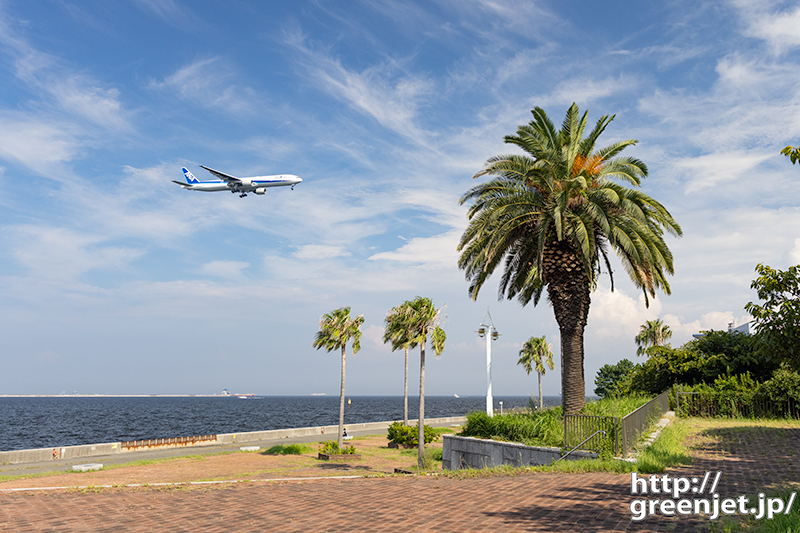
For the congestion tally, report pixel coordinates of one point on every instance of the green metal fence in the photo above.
(710, 404)
(621, 434)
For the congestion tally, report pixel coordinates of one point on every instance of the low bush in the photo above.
(408, 436)
(332, 448)
(289, 449)
(541, 428)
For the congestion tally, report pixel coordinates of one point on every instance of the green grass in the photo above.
(618, 407)
(539, 428)
(668, 450)
(289, 449)
(780, 523)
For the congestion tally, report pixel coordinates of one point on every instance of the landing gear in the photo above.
(242, 195)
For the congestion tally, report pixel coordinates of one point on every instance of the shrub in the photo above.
(544, 428)
(408, 436)
(332, 448)
(289, 449)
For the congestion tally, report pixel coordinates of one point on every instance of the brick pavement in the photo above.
(750, 459)
(526, 502)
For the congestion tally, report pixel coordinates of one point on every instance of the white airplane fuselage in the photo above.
(256, 184)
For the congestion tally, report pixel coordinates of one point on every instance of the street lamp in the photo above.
(490, 332)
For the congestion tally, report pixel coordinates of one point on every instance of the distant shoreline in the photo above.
(113, 396)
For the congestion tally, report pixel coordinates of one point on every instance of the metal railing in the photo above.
(635, 423)
(577, 427)
(709, 404)
(621, 434)
(174, 441)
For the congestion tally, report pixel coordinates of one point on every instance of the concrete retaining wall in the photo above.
(90, 450)
(64, 452)
(469, 452)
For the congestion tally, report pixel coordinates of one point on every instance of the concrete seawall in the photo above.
(111, 448)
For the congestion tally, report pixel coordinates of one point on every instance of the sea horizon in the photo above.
(42, 421)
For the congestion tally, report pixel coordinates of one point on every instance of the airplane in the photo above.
(226, 182)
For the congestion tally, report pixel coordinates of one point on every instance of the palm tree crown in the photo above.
(551, 214)
(536, 354)
(335, 331)
(652, 333)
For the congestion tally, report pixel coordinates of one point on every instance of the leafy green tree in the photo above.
(335, 331)
(397, 331)
(652, 333)
(736, 354)
(551, 215)
(716, 354)
(421, 319)
(609, 376)
(778, 319)
(536, 354)
(792, 153)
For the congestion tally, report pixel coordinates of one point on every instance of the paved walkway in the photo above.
(749, 459)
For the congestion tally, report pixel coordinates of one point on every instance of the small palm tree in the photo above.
(536, 354)
(421, 319)
(335, 331)
(652, 333)
(398, 333)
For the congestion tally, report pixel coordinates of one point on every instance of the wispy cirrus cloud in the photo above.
(208, 83)
(779, 28)
(383, 92)
(38, 144)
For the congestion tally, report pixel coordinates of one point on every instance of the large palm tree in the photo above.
(335, 331)
(421, 319)
(652, 333)
(397, 332)
(551, 214)
(536, 354)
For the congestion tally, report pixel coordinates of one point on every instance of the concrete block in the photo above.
(468, 452)
(87, 467)
(250, 448)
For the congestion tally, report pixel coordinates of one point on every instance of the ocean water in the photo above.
(45, 422)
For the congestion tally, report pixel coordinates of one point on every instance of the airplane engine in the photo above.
(260, 190)
(246, 181)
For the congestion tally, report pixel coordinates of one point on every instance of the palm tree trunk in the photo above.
(541, 403)
(568, 292)
(341, 405)
(405, 393)
(421, 434)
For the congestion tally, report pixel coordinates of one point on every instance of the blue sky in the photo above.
(114, 280)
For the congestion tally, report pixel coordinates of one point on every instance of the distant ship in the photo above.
(226, 392)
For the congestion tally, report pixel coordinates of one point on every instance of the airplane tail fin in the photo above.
(190, 179)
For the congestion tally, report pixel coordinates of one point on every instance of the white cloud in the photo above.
(225, 269)
(436, 250)
(617, 315)
(383, 92)
(794, 255)
(207, 82)
(585, 90)
(320, 251)
(718, 168)
(39, 145)
(63, 254)
(779, 29)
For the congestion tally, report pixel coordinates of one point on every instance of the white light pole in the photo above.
(491, 334)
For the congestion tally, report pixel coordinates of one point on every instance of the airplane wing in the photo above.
(221, 175)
